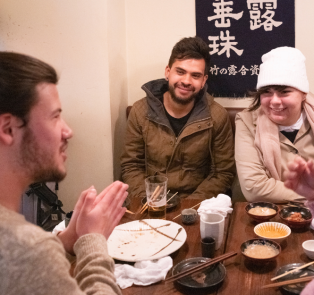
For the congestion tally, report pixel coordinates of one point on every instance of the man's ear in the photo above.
(8, 125)
(167, 71)
(204, 81)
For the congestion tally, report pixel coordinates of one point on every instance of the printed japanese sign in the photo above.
(238, 33)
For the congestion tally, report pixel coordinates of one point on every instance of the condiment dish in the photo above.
(308, 248)
(260, 242)
(264, 205)
(303, 219)
(274, 231)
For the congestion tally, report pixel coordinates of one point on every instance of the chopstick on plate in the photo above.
(200, 267)
(289, 282)
(293, 270)
(189, 208)
(172, 197)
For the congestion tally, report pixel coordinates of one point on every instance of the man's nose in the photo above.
(67, 132)
(186, 79)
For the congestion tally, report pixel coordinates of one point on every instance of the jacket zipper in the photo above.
(176, 141)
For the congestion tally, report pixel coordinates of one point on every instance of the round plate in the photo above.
(207, 278)
(136, 241)
(296, 288)
(172, 203)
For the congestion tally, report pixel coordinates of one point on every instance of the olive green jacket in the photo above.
(198, 163)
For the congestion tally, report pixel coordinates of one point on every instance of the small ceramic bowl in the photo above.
(274, 231)
(304, 212)
(308, 248)
(264, 207)
(188, 216)
(262, 242)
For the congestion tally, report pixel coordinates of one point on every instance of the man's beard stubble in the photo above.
(38, 162)
(179, 100)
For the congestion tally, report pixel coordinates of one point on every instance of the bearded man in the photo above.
(33, 142)
(179, 131)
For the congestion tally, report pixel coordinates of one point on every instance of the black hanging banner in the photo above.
(238, 33)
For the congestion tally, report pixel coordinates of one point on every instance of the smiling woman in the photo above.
(278, 124)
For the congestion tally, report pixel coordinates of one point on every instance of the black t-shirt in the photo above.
(291, 135)
(178, 123)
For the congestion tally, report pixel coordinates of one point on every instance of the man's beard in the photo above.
(39, 163)
(179, 100)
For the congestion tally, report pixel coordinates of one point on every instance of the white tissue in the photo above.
(143, 273)
(221, 204)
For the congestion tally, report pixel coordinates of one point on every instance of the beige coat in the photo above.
(198, 163)
(255, 180)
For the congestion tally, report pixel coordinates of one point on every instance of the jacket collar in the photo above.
(156, 112)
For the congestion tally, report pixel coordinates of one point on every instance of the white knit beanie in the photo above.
(283, 66)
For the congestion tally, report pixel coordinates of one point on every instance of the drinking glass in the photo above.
(156, 193)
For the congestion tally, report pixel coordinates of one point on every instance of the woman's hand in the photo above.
(300, 177)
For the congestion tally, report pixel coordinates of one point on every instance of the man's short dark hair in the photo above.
(19, 76)
(190, 48)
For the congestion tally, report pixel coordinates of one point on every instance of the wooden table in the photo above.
(191, 248)
(242, 277)
(245, 278)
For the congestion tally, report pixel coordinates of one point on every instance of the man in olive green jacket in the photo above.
(179, 131)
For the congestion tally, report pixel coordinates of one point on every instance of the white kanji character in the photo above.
(214, 45)
(223, 71)
(255, 22)
(224, 13)
(269, 22)
(272, 4)
(227, 46)
(214, 70)
(255, 70)
(243, 70)
(232, 70)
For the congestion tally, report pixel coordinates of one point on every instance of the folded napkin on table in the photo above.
(143, 273)
(221, 204)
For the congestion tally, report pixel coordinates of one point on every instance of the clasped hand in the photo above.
(95, 213)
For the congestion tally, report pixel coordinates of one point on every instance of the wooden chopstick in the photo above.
(289, 282)
(155, 194)
(200, 267)
(172, 197)
(189, 208)
(293, 270)
(128, 211)
(145, 205)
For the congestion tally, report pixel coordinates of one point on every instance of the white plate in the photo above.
(136, 241)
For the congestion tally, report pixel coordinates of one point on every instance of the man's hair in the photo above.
(19, 76)
(190, 48)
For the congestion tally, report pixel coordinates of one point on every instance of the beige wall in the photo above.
(117, 77)
(72, 36)
(104, 51)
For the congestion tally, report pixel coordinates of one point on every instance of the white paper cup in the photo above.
(212, 225)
